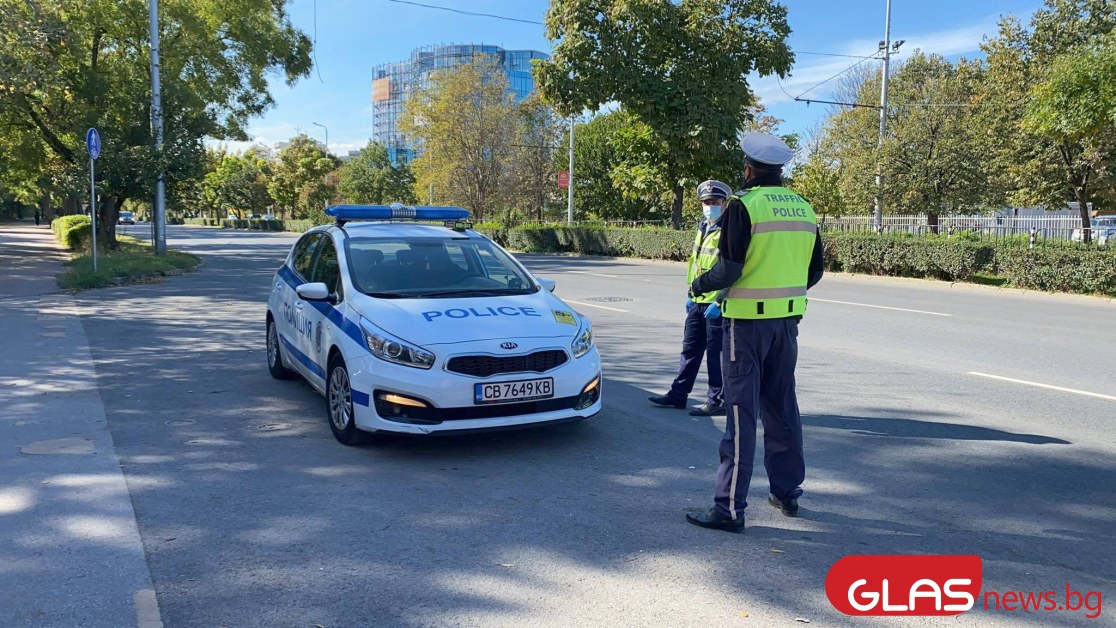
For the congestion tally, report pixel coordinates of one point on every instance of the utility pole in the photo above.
(159, 209)
(569, 203)
(885, 47)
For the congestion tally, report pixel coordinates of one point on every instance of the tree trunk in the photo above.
(1083, 208)
(676, 212)
(107, 215)
(932, 222)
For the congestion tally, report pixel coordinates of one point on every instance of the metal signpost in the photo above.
(93, 145)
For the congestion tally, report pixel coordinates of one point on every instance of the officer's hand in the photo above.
(689, 304)
(713, 311)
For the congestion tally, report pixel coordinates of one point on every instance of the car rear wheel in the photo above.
(274, 358)
(339, 405)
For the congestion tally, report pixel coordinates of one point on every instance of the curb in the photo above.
(975, 287)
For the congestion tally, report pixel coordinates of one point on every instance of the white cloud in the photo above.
(809, 71)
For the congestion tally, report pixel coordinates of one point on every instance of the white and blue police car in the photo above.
(406, 326)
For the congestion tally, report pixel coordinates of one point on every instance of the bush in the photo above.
(907, 256)
(73, 232)
(648, 243)
(1060, 269)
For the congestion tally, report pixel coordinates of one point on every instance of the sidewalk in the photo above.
(70, 550)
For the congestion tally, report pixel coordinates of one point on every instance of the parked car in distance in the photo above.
(126, 218)
(1104, 231)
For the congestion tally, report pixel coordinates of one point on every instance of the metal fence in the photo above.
(1022, 230)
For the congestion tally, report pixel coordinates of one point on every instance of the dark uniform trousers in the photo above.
(702, 337)
(760, 356)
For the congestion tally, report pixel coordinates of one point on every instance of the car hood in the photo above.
(452, 321)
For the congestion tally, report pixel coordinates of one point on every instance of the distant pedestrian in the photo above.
(37, 218)
(702, 336)
(770, 254)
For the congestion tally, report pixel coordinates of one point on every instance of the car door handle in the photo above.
(298, 305)
(279, 286)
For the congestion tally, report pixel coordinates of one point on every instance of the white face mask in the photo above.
(712, 212)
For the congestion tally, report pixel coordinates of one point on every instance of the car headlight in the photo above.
(391, 349)
(584, 341)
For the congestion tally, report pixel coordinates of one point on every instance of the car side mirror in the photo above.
(313, 292)
(549, 284)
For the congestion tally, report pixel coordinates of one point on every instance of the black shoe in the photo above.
(667, 402)
(707, 409)
(789, 507)
(716, 521)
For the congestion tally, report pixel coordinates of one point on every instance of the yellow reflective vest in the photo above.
(777, 262)
(704, 256)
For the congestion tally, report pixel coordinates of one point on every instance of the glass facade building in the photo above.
(394, 83)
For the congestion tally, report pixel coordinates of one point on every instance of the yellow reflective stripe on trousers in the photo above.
(766, 293)
(785, 226)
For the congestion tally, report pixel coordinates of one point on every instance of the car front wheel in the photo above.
(339, 404)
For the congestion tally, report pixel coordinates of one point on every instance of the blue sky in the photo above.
(355, 35)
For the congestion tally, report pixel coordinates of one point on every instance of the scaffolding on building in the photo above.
(393, 84)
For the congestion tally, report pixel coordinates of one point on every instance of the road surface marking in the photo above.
(880, 307)
(594, 273)
(1047, 386)
(612, 309)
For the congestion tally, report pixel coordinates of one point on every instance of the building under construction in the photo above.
(394, 83)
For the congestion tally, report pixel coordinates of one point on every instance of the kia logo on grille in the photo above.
(509, 346)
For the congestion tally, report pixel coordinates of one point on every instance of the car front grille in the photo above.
(488, 365)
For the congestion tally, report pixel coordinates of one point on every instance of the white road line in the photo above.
(880, 307)
(612, 309)
(1047, 386)
(585, 272)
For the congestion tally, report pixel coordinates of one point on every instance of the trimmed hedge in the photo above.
(649, 243)
(1085, 270)
(73, 232)
(907, 256)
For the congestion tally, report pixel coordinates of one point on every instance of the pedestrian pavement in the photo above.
(70, 549)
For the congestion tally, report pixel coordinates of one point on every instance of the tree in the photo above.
(239, 184)
(931, 160)
(681, 68)
(299, 182)
(67, 66)
(1038, 157)
(372, 178)
(533, 172)
(465, 119)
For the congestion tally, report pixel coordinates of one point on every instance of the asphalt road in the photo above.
(252, 515)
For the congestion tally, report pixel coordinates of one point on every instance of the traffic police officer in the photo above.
(702, 336)
(770, 254)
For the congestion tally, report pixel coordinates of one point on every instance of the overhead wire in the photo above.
(464, 12)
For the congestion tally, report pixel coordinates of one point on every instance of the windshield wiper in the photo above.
(475, 292)
(387, 295)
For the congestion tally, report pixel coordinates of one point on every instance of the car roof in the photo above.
(401, 230)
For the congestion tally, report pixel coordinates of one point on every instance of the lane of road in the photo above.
(252, 515)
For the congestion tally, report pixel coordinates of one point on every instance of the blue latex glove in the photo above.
(689, 304)
(713, 311)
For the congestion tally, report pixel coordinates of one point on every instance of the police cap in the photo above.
(713, 189)
(766, 150)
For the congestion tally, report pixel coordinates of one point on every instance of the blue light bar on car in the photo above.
(345, 213)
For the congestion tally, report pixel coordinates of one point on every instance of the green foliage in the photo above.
(931, 257)
(300, 180)
(371, 178)
(73, 232)
(238, 185)
(133, 261)
(681, 68)
(66, 66)
(648, 243)
(466, 119)
(1078, 100)
(1060, 269)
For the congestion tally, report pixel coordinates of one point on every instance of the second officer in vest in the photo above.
(770, 254)
(702, 333)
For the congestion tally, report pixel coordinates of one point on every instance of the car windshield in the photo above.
(1105, 221)
(427, 268)
(125, 214)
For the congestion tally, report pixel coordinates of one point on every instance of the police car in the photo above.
(421, 328)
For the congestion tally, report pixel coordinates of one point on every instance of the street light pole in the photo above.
(569, 203)
(159, 210)
(886, 44)
(326, 135)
